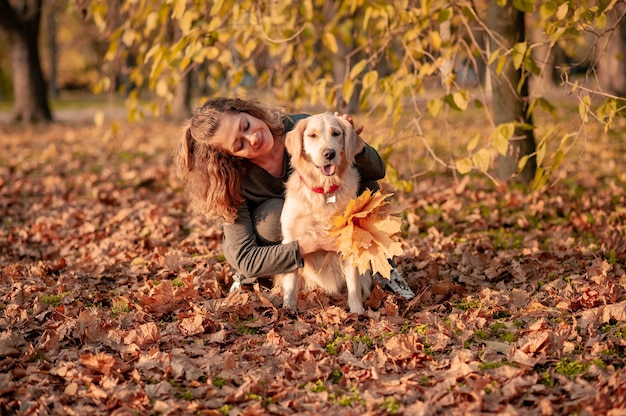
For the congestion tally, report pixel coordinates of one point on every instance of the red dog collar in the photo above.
(320, 190)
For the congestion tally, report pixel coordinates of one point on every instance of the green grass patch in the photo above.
(338, 338)
(495, 364)
(335, 376)
(507, 336)
(469, 304)
(501, 314)
(245, 329)
(571, 368)
(390, 405)
(505, 239)
(317, 387)
(219, 382)
(119, 306)
(186, 395)
(350, 398)
(53, 300)
(490, 365)
(481, 334)
(225, 409)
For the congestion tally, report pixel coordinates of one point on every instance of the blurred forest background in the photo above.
(400, 61)
(71, 53)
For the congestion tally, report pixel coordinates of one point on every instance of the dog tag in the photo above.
(331, 199)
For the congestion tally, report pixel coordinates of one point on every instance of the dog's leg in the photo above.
(353, 283)
(290, 291)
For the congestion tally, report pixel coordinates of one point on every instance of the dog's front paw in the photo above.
(357, 308)
(290, 291)
(291, 312)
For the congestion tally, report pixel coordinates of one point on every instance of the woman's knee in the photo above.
(266, 219)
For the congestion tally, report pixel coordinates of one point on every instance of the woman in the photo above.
(233, 163)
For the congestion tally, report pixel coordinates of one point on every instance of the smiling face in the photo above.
(323, 148)
(324, 142)
(242, 135)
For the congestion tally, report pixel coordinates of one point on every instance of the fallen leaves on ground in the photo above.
(114, 300)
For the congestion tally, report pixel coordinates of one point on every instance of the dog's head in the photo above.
(327, 141)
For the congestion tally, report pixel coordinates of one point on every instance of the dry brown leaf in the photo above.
(191, 325)
(616, 311)
(367, 232)
(102, 362)
(143, 335)
(10, 343)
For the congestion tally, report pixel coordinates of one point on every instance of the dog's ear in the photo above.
(293, 140)
(353, 143)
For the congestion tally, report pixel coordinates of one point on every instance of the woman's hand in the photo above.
(351, 121)
(308, 244)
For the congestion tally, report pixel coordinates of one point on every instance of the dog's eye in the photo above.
(336, 133)
(312, 135)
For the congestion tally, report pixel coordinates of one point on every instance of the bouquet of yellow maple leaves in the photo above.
(367, 231)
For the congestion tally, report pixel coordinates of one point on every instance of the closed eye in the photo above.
(336, 133)
(244, 125)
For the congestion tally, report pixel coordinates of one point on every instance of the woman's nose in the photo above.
(252, 138)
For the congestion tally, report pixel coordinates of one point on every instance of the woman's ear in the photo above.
(353, 144)
(293, 140)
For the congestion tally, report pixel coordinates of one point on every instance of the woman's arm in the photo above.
(244, 253)
(251, 259)
(370, 165)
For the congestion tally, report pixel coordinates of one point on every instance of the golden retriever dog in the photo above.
(324, 179)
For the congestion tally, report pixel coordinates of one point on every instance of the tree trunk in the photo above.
(342, 62)
(509, 104)
(612, 58)
(181, 104)
(182, 98)
(21, 27)
(51, 18)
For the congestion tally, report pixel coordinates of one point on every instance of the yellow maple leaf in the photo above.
(367, 232)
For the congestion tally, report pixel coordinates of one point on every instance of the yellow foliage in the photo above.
(367, 231)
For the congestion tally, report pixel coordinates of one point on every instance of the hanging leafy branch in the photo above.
(392, 50)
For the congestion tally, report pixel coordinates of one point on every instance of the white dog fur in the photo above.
(322, 149)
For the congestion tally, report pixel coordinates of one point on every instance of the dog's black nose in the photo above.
(329, 154)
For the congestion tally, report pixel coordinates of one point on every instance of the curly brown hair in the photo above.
(211, 177)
